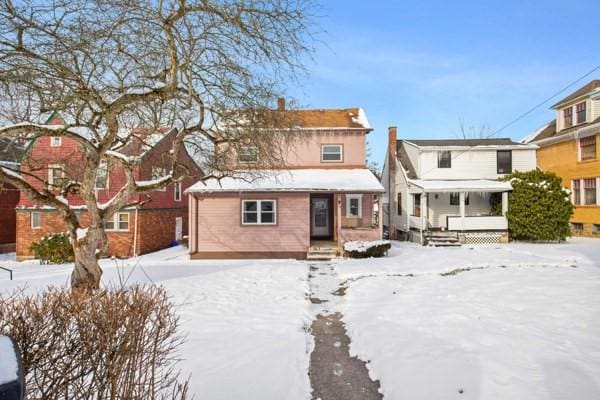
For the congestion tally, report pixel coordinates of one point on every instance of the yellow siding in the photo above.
(562, 159)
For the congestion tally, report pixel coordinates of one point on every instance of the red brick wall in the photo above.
(157, 228)
(9, 198)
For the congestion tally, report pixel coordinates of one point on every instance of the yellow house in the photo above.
(569, 146)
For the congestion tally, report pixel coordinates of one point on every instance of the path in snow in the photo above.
(334, 374)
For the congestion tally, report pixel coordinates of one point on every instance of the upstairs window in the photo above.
(580, 112)
(55, 175)
(589, 191)
(353, 205)
(568, 117)
(399, 205)
(444, 159)
(177, 190)
(102, 176)
(587, 148)
(248, 154)
(455, 199)
(576, 192)
(259, 212)
(332, 153)
(504, 161)
(158, 173)
(55, 141)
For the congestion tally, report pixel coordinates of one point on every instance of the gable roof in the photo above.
(463, 142)
(143, 140)
(353, 118)
(595, 84)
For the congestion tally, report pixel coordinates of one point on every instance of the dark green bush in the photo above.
(377, 249)
(55, 248)
(539, 208)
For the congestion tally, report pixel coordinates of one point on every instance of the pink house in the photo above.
(324, 196)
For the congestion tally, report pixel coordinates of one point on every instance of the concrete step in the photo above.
(440, 243)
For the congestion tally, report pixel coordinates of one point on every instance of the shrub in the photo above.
(55, 248)
(378, 248)
(108, 344)
(539, 207)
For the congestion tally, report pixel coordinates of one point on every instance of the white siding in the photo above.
(595, 109)
(413, 154)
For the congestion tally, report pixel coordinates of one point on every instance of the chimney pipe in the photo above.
(281, 104)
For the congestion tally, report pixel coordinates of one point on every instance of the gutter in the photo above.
(576, 134)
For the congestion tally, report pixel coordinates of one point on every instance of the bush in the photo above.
(378, 248)
(55, 248)
(539, 207)
(108, 344)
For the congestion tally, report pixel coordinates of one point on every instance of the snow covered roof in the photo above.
(472, 185)
(295, 180)
(459, 143)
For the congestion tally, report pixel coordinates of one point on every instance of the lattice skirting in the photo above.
(483, 238)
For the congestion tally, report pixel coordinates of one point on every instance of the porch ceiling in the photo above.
(449, 186)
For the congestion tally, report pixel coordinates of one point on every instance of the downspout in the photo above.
(135, 232)
(196, 225)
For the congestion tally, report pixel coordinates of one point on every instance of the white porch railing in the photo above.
(414, 222)
(478, 223)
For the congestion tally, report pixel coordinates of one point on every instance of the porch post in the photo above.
(461, 202)
(338, 217)
(423, 206)
(504, 203)
(380, 215)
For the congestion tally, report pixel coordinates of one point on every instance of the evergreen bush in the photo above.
(55, 248)
(539, 207)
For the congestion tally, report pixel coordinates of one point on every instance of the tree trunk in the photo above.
(87, 272)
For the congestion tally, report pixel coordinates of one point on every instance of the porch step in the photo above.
(316, 253)
(442, 239)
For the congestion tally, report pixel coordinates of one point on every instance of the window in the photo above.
(587, 148)
(589, 191)
(399, 205)
(580, 112)
(444, 159)
(417, 205)
(177, 189)
(55, 141)
(577, 227)
(248, 154)
(331, 153)
(102, 176)
(119, 222)
(568, 117)
(259, 212)
(354, 205)
(504, 161)
(36, 220)
(576, 192)
(595, 228)
(55, 175)
(455, 199)
(157, 173)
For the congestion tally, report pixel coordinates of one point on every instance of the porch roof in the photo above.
(447, 186)
(295, 180)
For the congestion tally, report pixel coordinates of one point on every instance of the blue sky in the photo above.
(427, 66)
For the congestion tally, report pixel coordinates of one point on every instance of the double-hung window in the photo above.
(354, 205)
(36, 220)
(417, 205)
(119, 222)
(159, 173)
(504, 161)
(580, 112)
(55, 141)
(55, 175)
(587, 148)
(568, 117)
(259, 212)
(248, 154)
(589, 191)
(332, 153)
(444, 159)
(576, 192)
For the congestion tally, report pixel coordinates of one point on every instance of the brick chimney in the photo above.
(281, 104)
(391, 184)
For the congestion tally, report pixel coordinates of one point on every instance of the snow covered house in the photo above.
(323, 195)
(443, 190)
(143, 228)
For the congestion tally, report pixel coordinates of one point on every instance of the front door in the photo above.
(178, 228)
(320, 220)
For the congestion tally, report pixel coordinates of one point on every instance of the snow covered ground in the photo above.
(517, 321)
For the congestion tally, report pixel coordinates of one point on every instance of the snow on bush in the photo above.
(377, 248)
(55, 248)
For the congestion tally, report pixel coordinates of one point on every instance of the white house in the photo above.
(443, 190)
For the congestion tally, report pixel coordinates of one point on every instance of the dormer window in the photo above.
(248, 154)
(331, 153)
(580, 111)
(568, 117)
(444, 159)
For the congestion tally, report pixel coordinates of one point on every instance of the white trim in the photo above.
(358, 197)
(39, 214)
(176, 186)
(341, 152)
(52, 167)
(258, 212)
(115, 221)
(52, 138)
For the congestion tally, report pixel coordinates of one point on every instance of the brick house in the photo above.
(151, 226)
(9, 196)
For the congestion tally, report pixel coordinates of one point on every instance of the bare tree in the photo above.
(473, 131)
(110, 66)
